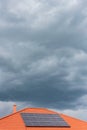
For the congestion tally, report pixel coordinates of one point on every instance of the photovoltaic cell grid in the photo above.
(34, 119)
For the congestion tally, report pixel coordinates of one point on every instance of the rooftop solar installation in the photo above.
(46, 120)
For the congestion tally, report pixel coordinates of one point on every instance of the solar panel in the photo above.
(37, 119)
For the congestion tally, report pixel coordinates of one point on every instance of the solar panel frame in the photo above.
(43, 120)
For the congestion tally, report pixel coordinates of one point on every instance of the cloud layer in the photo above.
(43, 52)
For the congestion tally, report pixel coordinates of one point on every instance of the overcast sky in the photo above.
(43, 55)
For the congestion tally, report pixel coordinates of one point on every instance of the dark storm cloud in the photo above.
(43, 52)
(41, 97)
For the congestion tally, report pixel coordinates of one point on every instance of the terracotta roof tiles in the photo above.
(14, 121)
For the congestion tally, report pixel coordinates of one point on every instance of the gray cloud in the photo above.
(43, 52)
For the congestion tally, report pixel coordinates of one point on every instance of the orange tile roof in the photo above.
(14, 121)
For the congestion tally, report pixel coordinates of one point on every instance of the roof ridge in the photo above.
(61, 114)
(13, 113)
(21, 111)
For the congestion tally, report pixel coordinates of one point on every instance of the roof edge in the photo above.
(20, 111)
(12, 114)
(61, 114)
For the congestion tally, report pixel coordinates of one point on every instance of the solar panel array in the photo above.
(48, 120)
